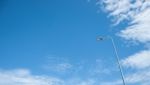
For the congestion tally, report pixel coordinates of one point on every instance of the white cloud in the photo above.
(139, 30)
(137, 78)
(138, 15)
(117, 9)
(58, 64)
(24, 77)
(139, 60)
(59, 67)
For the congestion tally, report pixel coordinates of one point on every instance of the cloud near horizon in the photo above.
(21, 76)
(25, 77)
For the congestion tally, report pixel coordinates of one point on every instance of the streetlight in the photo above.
(100, 38)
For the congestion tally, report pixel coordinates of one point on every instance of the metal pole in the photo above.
(117, 56)
(118, 60)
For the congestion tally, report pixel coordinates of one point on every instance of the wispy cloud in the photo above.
(137, 14)
(137, 78)
(139, 60)
(58, 64)
(65, 66)
(60, 67)
(24, 77)
(139, 28)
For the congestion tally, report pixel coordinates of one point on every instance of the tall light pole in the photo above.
(100, 38)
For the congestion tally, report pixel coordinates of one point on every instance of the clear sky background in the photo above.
(56, 41)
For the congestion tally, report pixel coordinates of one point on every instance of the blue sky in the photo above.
(32, 30)
(57, 39)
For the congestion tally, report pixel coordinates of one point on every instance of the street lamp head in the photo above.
(100, 38)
